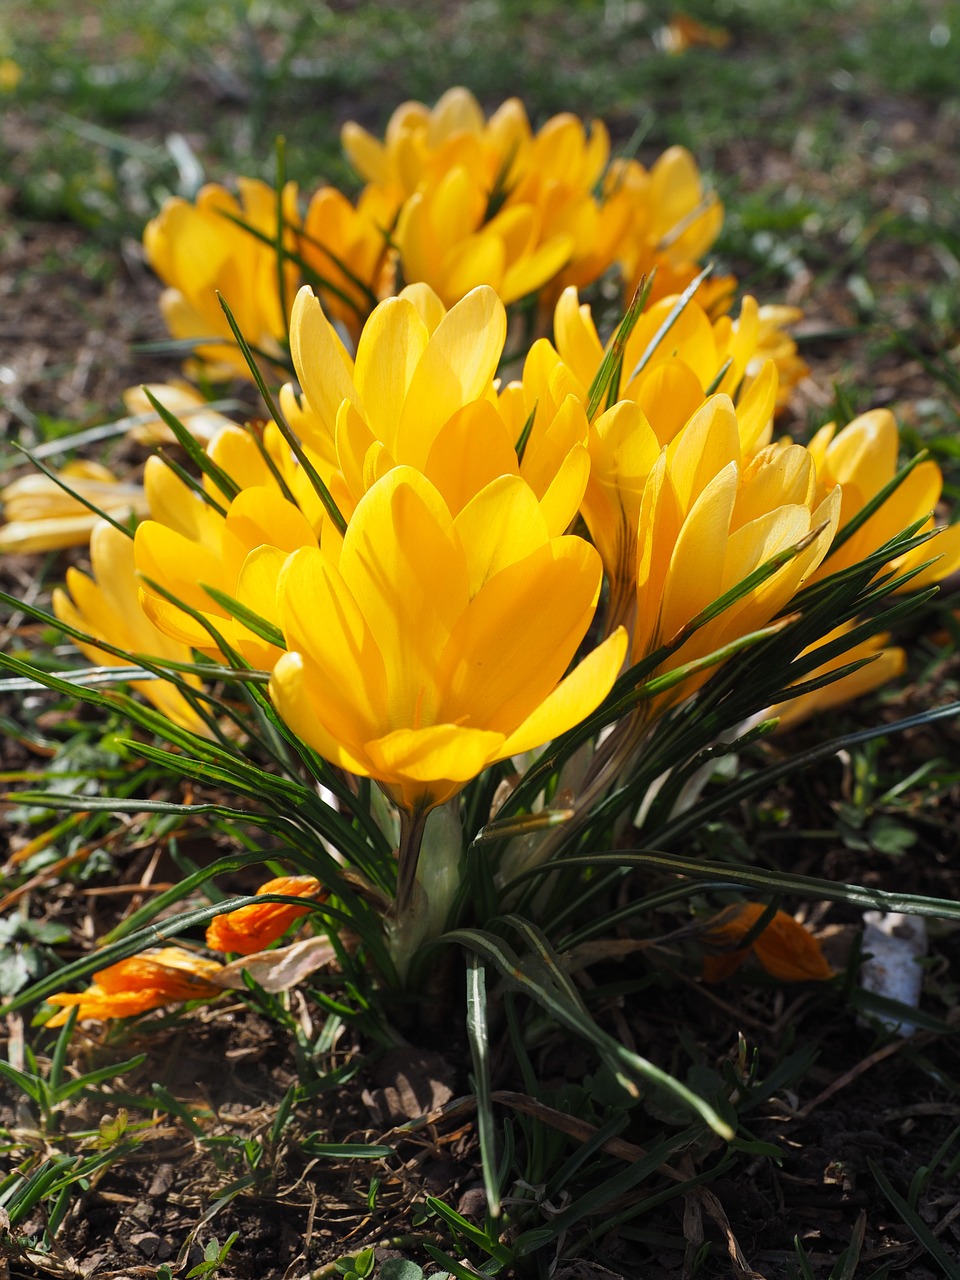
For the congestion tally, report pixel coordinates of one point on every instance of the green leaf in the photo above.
(607, 377)
(345, 1150)
(73, 493)
(400, 1269)
(925, 1237)
(252, 621)
(670, 320)
(194, 451)
(759, 879)
(544, 981)
(479, 1037)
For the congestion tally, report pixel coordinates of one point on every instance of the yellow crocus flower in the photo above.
(41, 516)
(668, 379)
(106, 606)
(421, 393)
(189, 544)
(708, 520)
(198, 251)
(662, 388)
(428, 646)
(859, 461)
(887, 663)
(488, 202)
(561, 169)
(346, 245)
(421, 141)
(674, 222)
(446, 240)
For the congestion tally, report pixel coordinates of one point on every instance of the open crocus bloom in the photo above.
(559, 174)
(708, 520)
(422, 140)
(254, 927)
(107, 607)
(860, 460)
(199, 249)
(667, 375)
(41, 516)
(141, 983)
(488, 201)
(675, 220)
(427, 647)
(421, 393)
(447, 240)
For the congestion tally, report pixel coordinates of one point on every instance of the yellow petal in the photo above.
(346, 668)
(292, 695)
(457, 367)
(391, 346)
(402, 562)
(574, 698)
(470, 451)
(323, 366)
(501, 524)
(496, 670)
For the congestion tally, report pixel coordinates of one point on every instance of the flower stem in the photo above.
(412, 823)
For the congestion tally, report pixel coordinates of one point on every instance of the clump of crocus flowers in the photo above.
(432, 571)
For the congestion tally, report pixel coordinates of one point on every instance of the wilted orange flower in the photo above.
(141, 983)
(785, 948)
(683, 32)
(256, 926)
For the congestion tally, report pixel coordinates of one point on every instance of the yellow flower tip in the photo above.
(785, 948)
(106, 606)
(253, 928)
(147, 981)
